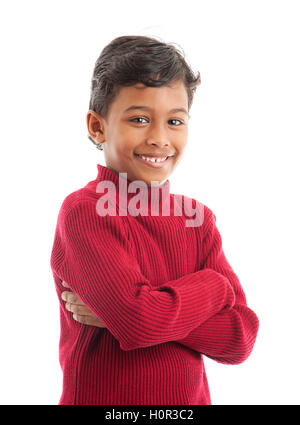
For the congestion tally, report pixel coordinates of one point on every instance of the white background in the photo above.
(242, 161)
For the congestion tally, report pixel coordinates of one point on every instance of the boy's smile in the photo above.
(145, 131)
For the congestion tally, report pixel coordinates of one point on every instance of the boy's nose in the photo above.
(158, 141)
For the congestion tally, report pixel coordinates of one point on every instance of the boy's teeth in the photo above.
(153, 159)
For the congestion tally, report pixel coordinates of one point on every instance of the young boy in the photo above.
(145, 290)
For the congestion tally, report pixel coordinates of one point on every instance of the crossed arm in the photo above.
(221, 326)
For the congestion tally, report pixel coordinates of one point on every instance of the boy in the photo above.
(149, 290)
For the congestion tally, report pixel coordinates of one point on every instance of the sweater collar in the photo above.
(127, 193)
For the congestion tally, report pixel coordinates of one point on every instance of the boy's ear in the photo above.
(94, 123)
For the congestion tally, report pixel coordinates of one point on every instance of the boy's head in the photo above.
(153, 77)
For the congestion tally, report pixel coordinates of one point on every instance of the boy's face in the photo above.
(151, 132)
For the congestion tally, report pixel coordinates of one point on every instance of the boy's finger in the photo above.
(70, 297)
(88, 320)
(81, 310)
(65, 284)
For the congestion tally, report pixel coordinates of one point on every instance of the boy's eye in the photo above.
(142, 118)
(180, 122)
(138, 118)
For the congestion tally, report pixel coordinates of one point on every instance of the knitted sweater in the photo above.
(161, 285)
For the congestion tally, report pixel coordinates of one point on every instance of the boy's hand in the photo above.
(81, 313)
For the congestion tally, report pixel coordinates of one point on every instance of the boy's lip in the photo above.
(152, 164)
(155, 155)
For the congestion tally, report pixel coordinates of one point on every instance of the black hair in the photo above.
(128, 60)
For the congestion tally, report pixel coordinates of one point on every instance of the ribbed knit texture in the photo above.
(165, 292)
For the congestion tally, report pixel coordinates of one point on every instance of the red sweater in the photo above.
(164, 290)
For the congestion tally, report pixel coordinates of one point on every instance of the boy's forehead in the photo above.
(174, 95)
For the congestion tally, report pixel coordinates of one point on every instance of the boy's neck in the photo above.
(123, 192)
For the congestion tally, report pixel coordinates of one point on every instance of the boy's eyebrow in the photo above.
(147, 108)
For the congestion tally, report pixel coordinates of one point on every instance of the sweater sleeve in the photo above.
(93, 255)
(229, 335)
